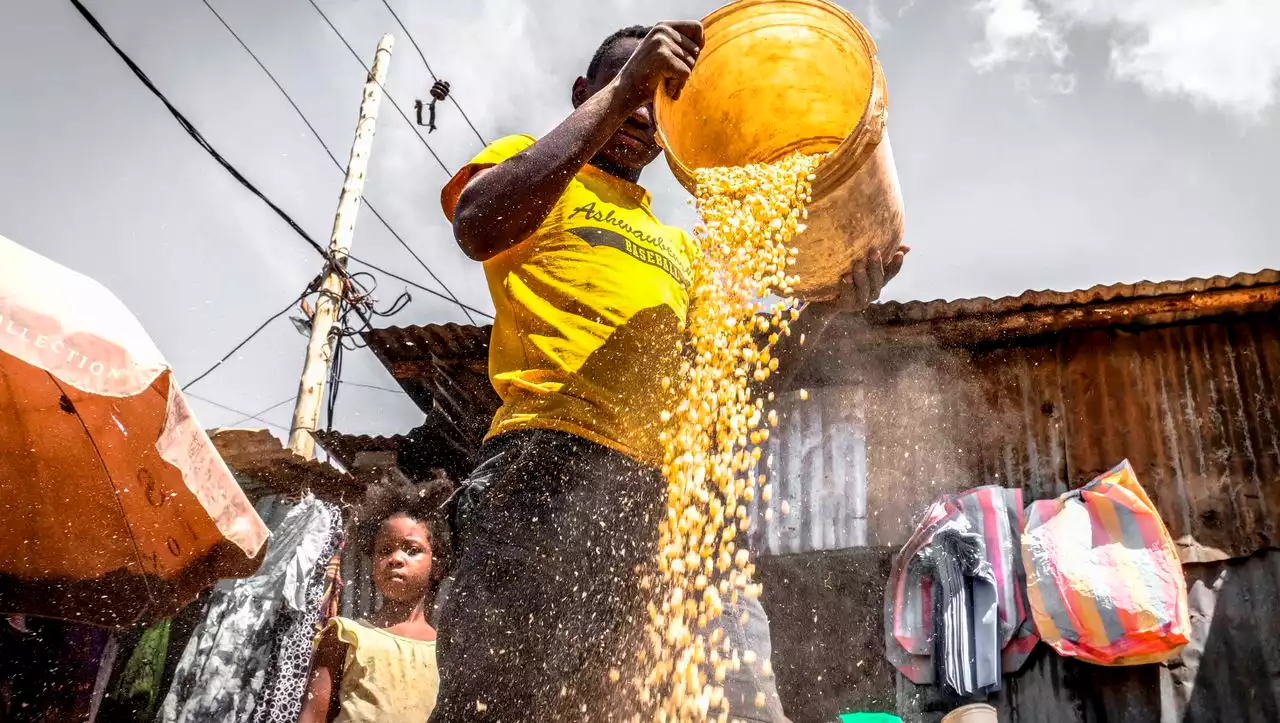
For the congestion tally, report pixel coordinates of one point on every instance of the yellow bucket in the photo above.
(780, 76)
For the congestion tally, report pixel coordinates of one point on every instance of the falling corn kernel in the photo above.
(712, 429)
(614, 675)
(804, 395)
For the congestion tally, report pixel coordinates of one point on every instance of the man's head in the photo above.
(633, 146)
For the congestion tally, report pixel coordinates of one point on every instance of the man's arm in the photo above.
(504, 204)
(861, 287)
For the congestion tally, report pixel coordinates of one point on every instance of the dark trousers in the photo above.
(544, 599)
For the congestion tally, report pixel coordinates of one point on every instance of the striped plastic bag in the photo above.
(1103, 577)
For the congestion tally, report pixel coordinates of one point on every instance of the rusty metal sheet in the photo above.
(348, 448)
(443, 365)
(1194, 407)
(915, 311)
(262, 464)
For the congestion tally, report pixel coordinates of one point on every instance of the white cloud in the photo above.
(1017, 30)
(1217, 53)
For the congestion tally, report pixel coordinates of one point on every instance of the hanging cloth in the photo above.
(137, 690)
(994, 516)
(294, 636)
(965, 651)
(224, 668)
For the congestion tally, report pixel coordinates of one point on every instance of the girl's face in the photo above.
(402, 559)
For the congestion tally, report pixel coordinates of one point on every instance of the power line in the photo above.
(430, 72)
(394, 104)
(197, 136)
(375, 388)
(333, 157)
(242, 343)
(192, 130)
(287, 400)
(237, 411)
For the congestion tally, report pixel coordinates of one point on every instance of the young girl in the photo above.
(384, 669)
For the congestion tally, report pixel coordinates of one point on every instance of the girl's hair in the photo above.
(427, 503)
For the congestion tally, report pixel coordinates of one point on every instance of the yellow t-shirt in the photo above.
(588, 312)
(387, 678)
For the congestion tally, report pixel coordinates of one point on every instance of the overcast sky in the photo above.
(1040, 144)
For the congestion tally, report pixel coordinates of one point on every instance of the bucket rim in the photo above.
(853, 150)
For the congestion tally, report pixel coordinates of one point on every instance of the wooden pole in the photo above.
(306, 412)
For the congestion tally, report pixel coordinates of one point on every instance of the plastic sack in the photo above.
(1103, 576)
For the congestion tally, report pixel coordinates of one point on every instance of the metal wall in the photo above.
(817, 460)
(1193, 407)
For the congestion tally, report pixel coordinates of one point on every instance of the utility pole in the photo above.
(306, 412)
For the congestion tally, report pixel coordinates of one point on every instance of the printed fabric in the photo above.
(386, 678)
(224, 669)
(587, 312)
(993, 516)
(295, 631)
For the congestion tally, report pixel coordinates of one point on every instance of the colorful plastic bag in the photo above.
(1103, 577)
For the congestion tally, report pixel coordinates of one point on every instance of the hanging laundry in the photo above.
(295, 632)
(224, 668)
(1103, 576)
(993, 516)
(966, 656)
(137, 688)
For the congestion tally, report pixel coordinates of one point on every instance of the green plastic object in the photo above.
(869, 718)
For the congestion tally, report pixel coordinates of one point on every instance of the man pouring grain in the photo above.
(561, 517)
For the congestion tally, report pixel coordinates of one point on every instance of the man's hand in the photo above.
(864, 282)
(667, 54)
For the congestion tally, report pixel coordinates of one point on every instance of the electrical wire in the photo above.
(375, 388)
(192, 130)
(431, 72)
(233, 410)
(197, 136)
(244, 341)
(391, 98)
(332, 156)
(287, 400)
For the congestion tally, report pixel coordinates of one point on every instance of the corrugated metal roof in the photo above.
(262, 463)
(914, 311)
(347, 448)
(408, 351)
